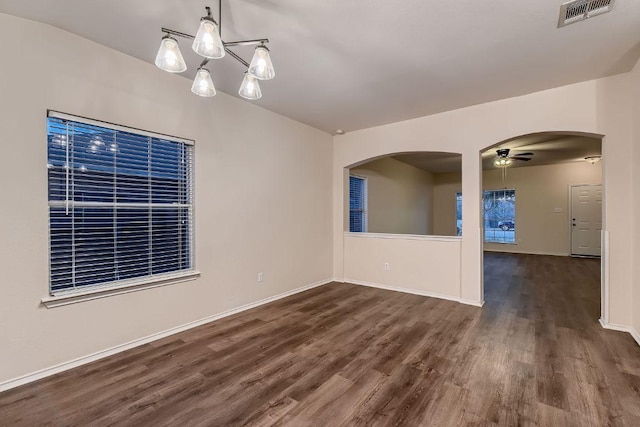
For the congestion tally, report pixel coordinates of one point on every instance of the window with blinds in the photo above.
(357, 204)
(120, 204)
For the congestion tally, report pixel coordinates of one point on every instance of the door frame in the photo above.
(604, 246)
(604, 234)
(570, 210)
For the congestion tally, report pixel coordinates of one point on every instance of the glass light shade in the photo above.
(202, 84)
(208, 42)
(250, 89)
(502, 162)
(261, 67)
(169, 57)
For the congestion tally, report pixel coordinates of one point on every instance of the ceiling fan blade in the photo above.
(524, 159)
(524, 154)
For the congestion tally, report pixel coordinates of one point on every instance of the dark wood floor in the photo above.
(348, 355)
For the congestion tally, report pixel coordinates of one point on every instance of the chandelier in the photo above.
(208, 44)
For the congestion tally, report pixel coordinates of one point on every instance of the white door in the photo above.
(586, 220)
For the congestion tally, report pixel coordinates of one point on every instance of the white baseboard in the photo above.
(614, 327)
(410, 291)
(621, 328)
(635, 335)
(404, 290)
(471, 302)
(43, 373)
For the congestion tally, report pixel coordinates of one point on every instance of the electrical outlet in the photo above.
(386, 266)
(261, 277)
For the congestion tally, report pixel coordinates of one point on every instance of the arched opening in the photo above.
(405, 193)
(393, 233)
(542, 216)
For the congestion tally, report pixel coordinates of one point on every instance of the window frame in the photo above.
(458, 195)
(484, 216)
(365, 202)
(88, 292)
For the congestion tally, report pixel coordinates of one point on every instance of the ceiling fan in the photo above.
(503, 159)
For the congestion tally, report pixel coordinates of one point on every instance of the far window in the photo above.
(458, 214)
(120, 205)
(357, 204)
(499, 216)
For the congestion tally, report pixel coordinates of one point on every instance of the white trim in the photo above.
(404, 237)
(43, 373)
(471, 302)
(635, 335)
(493, 242)
(412, 291)
(614, 327)
(93, 122)
(103, 291)
(621, 328)
(604, 275)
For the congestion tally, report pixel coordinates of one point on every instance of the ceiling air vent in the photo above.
(579, 10)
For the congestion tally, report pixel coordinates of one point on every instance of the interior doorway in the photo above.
(557, 215)
(586, 220)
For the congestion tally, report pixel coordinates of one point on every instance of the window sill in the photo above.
(88, 295)
(402, 236)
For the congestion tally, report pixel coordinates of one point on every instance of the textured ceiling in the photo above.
(432, 161)
(349, 64)
(547, 149)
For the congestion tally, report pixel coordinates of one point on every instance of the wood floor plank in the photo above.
(347, 355)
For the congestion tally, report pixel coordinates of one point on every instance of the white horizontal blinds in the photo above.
(357, 204)
(120, 205)
(77, 119)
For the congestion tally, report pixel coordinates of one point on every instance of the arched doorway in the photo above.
(542, 206)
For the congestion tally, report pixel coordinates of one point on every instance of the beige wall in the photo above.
(399, 197)
(407, 259)
(539, 191)
(600, 107)
(635, 226)
(445, 187)
(263, 196)
(614, 107)
(264, 187)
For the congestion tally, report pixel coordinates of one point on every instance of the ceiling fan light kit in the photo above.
(504, 160)
(208, 43)
(593, 159)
